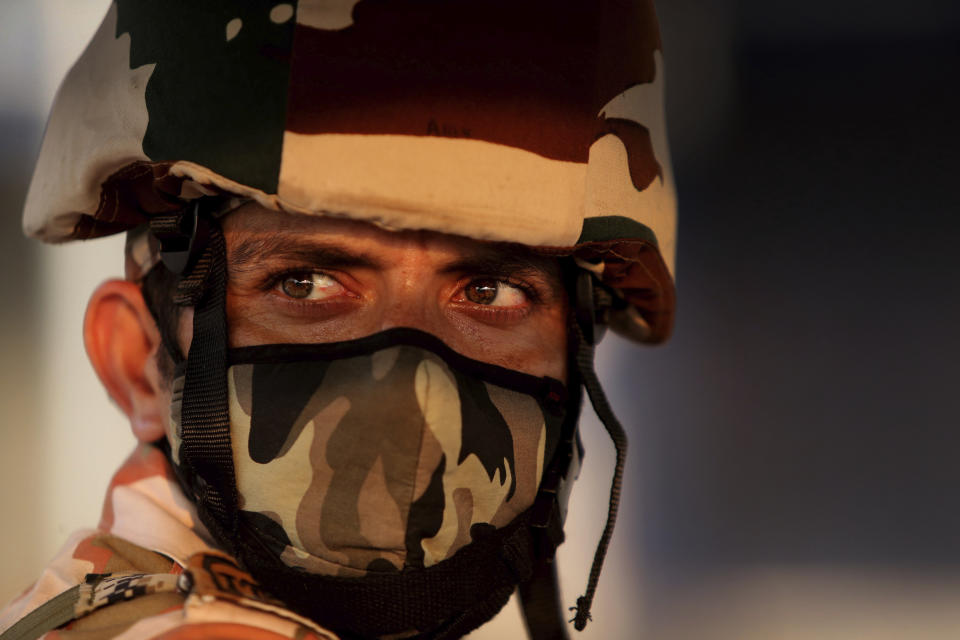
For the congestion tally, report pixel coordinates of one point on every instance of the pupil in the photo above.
(482, 292)
(297, 287)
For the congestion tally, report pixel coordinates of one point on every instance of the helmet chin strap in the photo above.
(205, 455)
(586, 335)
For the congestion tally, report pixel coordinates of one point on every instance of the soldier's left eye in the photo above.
(310, 286)
(494, 293)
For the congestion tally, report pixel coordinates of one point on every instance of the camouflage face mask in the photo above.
(381, 454)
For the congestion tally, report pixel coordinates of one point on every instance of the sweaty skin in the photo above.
(492, 302)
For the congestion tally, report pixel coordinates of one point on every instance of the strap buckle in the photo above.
(592, 304)
(182, 235)
(549, 510)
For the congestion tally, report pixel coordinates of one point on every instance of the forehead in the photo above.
(255, 233)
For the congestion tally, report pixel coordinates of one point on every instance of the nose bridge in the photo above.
(403, 308)
(410, 299)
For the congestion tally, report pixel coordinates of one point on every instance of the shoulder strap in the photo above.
(48, 616)
(98, 590)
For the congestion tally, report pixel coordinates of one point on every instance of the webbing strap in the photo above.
(540, 602)
(205, 417)
(459, 593)
(98, 590)
(48, 616)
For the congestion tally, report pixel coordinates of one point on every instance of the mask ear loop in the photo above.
(585, 365)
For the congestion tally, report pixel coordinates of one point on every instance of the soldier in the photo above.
(370, 247)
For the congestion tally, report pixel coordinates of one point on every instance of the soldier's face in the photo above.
(305, 279)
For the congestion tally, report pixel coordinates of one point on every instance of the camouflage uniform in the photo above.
(150, 571)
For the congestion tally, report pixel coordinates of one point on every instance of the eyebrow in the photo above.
(250, 251)
(495, 261)
(507, 263)
(499, 263)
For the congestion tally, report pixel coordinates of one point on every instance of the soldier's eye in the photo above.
(310, 286)
(494, 293)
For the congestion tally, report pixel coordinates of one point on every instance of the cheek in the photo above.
(549, 352)
(551, 340)
(254, 321)
(538, 346)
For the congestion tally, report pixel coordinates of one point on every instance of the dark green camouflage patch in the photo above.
(213, 99)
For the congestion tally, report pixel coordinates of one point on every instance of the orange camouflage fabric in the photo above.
(148, 571)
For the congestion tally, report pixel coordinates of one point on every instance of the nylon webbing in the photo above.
(540, 601)
(166, 226)
(459, 593)
(51, 614)
(472, 618)
(205, 418)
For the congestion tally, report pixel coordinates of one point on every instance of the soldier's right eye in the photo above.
(494, 293)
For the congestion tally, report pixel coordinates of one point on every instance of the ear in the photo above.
(122, 340)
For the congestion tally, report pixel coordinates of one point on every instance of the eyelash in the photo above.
(528, 290)
(271, 280)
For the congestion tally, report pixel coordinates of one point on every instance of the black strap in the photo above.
(483, 610)
(540, 602)
(53, 613)
(450, 598)
(206, 453)
(181, 236)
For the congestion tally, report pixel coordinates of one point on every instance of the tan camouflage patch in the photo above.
(431, 455)
(380, 515)
(173, 426)
(331, 15)
(242, 392)
(96, 126)
(277, 489)
(463, 506)
(383, 361)
(439, 401)
(526, 422)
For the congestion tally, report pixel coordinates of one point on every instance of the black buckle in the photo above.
(591, 307)
(182, 235)
(549, 510)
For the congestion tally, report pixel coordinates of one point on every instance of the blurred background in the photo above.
(793, 471)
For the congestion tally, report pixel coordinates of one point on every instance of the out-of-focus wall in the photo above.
(60, 439)
(798, 453)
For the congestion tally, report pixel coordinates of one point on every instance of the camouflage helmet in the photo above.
(531, 122)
